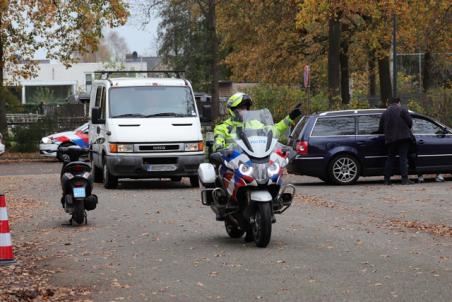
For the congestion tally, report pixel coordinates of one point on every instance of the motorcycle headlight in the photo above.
(273, 169)
(245, 170)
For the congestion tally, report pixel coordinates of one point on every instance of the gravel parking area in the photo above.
(154, 241)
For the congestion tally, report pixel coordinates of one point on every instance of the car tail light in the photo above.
(302, 148)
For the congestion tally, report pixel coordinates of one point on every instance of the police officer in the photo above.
(236, 104)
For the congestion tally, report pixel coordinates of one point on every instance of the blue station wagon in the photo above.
(341, 146)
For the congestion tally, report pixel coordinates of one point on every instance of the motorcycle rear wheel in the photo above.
(233, 230)
(262, 225)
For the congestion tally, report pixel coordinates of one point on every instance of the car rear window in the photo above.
(368, 124)
(333, 126)
(298, 128)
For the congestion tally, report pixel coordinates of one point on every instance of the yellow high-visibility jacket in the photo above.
(225, 133)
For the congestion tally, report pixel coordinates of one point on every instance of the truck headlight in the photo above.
(121, 148)
(198, 146)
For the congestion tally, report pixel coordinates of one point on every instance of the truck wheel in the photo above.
(97, 173)
(110, 181)
(194, 181)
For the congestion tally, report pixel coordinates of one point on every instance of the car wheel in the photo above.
(194, 181)
(110, 181)
(344, 170)
(61, 156)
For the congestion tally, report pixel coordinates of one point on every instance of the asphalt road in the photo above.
(154, 241)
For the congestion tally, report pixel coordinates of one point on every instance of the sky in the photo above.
(139, 39)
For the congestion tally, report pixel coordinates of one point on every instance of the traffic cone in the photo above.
(6, 246)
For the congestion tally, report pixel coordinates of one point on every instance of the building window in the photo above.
(88, 82)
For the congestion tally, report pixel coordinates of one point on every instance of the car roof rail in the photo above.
(351, 111)
(107, 74)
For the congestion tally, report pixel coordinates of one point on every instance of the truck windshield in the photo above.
(154, 101)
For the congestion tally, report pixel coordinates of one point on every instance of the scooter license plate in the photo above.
(79, 193)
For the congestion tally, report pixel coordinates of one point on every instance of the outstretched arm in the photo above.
(220, 132)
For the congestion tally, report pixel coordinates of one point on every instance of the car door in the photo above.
(371, 144)
(433, 146)
(332, 135)
(95, 131)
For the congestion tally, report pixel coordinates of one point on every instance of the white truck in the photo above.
(144, 128)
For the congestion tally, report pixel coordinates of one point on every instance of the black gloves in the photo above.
(296, 112)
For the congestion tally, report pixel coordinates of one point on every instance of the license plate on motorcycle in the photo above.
(79, 193)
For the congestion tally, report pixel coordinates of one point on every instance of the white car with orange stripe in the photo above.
(2, 146)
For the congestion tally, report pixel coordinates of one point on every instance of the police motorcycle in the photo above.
(243, 185)
(77, 184)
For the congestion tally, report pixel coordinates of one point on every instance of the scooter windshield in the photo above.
(256, 135)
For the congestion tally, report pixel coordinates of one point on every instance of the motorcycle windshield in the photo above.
(255, 136)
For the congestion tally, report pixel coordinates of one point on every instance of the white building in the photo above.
(54, 82)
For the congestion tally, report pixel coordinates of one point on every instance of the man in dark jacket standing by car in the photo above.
(396, 125)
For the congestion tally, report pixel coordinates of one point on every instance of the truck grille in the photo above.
(158, 148)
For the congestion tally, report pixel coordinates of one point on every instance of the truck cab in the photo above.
(144, 128)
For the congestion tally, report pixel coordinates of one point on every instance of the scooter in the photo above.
(243, 185)
(77, 185)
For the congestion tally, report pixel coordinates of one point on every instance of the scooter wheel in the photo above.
(79, 214)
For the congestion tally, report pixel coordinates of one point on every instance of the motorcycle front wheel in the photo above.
(262, 225)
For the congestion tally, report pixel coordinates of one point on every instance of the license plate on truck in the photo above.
(79, 193)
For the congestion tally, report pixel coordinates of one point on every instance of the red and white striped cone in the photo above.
(6, 246)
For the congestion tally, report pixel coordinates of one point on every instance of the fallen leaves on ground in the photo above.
(27, 280)
(313, 200)
(434, 229)
(8, 157)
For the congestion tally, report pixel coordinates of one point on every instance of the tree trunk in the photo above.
(3, 125)
(372, 83)
(345, 71)
(334, 48)
(214, 60)
(426, 72)
(385, 81)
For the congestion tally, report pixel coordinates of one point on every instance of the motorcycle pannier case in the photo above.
(206, 173)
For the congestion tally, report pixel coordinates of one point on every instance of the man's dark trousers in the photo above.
(397, 148)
